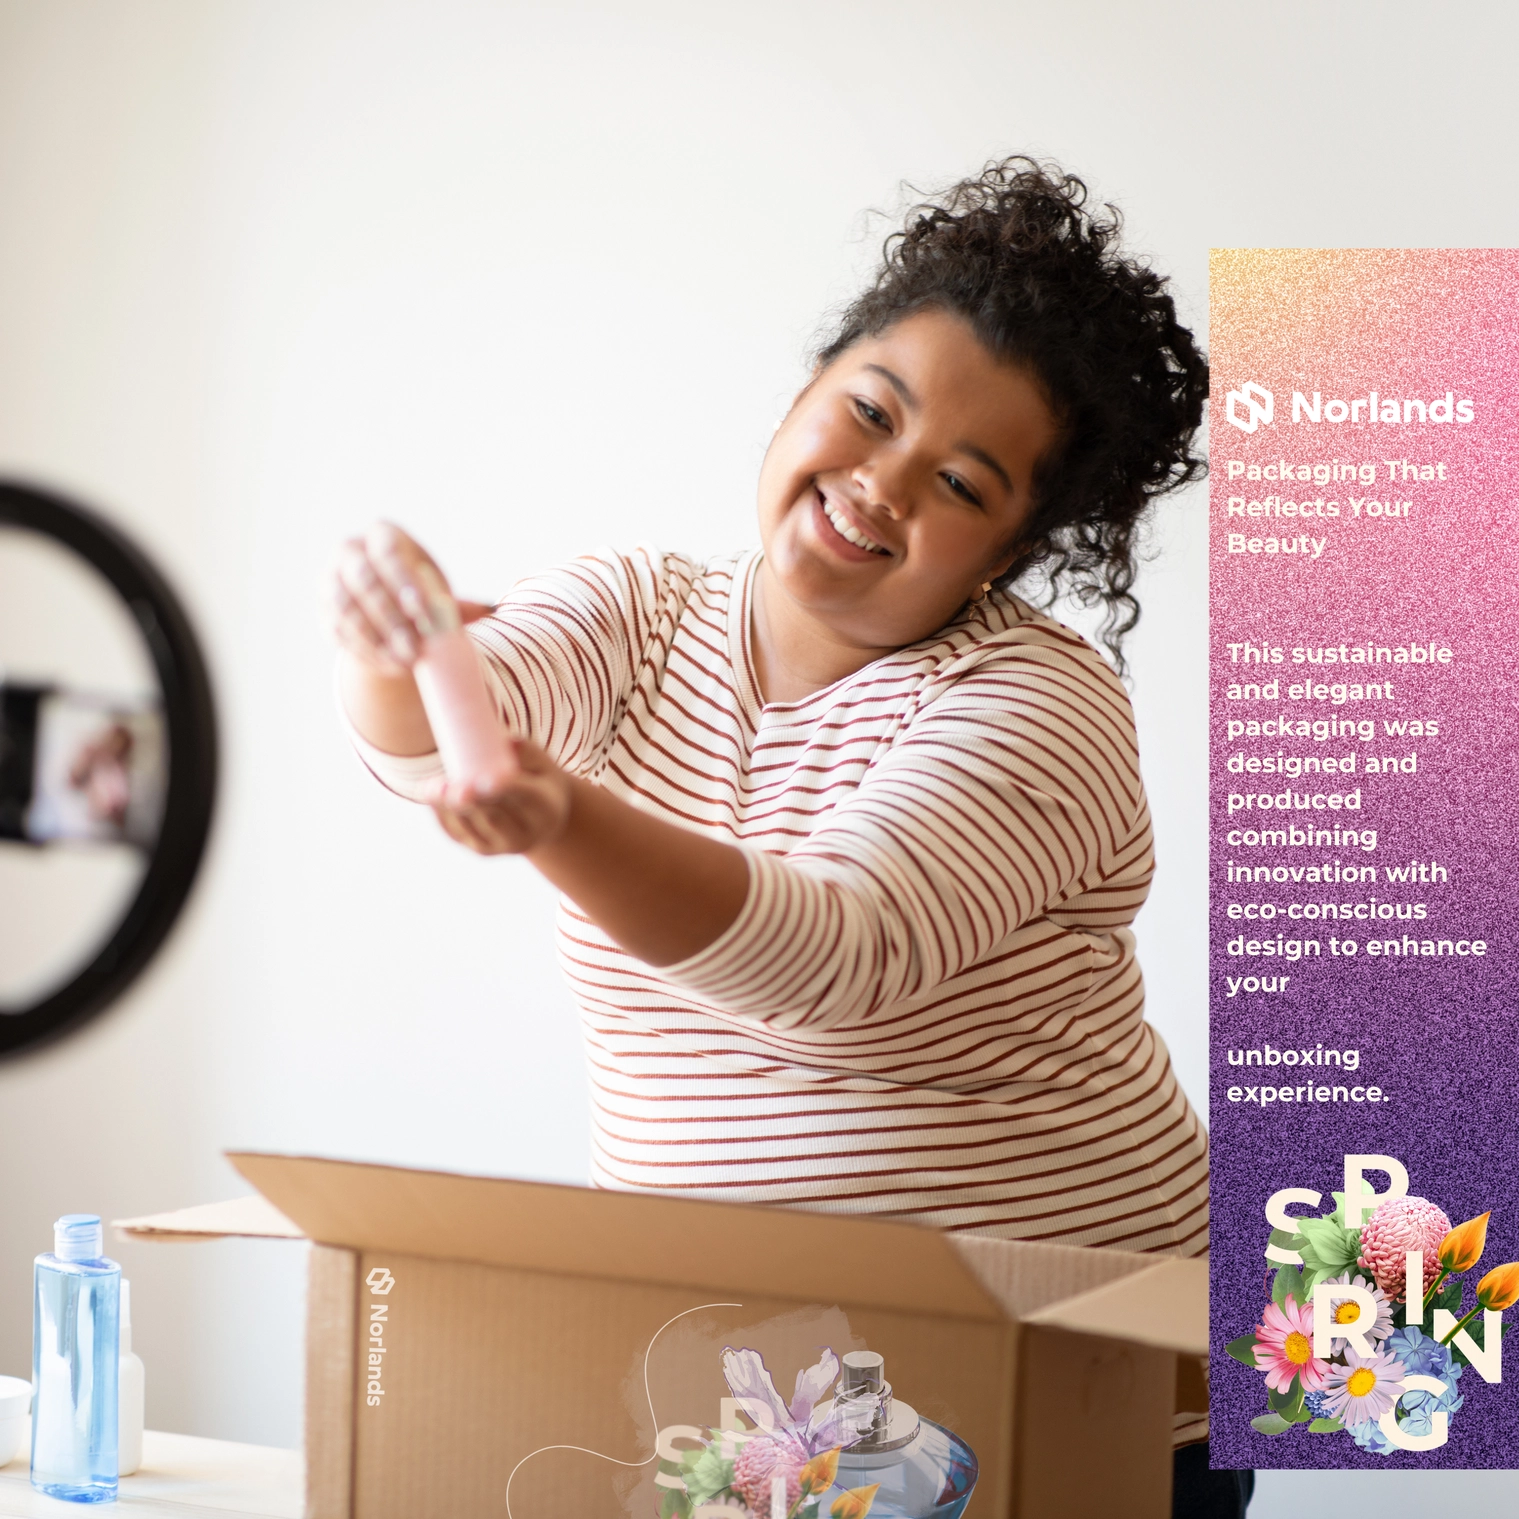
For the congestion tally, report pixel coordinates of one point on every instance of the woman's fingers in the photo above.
(389, 596)
(358, 635)
(520, 812)
(362, 590)
(413, 580)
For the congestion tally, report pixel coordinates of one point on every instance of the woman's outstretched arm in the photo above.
(663, 892)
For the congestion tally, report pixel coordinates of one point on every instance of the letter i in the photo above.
(777, 1497)
(1414, 1286)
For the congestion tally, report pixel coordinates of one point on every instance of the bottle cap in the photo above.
(78, 1237)
(864, 1371)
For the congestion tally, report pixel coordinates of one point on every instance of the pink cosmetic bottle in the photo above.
(472, 743)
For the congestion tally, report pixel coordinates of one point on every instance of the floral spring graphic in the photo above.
(858, 1452)
(844, 1446)
(1375, 1314)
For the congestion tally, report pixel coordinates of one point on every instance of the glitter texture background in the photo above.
(1439, 1036)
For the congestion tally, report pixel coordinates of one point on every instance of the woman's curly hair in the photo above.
(1017, 253)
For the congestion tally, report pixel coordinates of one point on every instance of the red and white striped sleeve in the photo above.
(560, 653)
(1016, 787)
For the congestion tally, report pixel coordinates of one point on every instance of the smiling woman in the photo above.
(850, 837)
(894, 492)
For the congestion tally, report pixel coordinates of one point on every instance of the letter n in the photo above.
(1487, 1358)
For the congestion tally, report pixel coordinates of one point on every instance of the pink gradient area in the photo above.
(1406, 323)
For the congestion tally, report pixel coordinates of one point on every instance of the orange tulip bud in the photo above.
(1462, 1248)
(1499, 1289)
(855, 1504)
(818, 1474)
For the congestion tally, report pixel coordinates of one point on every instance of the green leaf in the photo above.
(1243, 1350)
(1286, 1239)
(1289, 1404)
(1448, 1298)
(707, 1473)
(1339, 1210)
(1328, 1243)
(1270, 1424)
(1325, 1427)
(674, 1505)
(1287, 1283)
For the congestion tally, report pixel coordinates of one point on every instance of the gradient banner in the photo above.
(1364, 712)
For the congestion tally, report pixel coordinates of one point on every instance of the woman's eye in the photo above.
(872, 414)
(960, 488)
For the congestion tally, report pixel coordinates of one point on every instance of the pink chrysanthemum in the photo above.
(1397, 1226)
(1344, 1310)
(1284, 1348)
(1364, 1388)
(763, 1458)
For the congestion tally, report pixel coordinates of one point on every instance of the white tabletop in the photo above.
(182, 1477)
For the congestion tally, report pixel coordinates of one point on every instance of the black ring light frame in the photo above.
(190, 720)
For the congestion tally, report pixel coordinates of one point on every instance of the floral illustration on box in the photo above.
(855, 1453)
(1367, 1334)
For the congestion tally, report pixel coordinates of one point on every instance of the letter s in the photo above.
(1279, 1218)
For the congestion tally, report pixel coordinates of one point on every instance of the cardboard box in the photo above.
(456, 1324)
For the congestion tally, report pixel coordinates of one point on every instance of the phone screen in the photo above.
(80, 768)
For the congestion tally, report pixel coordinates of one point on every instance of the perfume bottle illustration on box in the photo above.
(862, 1452)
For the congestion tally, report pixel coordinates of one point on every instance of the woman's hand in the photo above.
(528, 810)
(388, 595)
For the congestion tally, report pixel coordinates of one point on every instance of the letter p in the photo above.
(1360, 1199)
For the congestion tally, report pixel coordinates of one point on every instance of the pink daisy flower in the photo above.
(1364, 1388)
(1284, 1348)
(1346, 1311)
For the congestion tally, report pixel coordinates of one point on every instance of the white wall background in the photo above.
(528, 278)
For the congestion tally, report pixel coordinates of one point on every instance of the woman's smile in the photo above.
(847, 537)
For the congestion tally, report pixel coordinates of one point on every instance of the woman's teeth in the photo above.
(847, 531)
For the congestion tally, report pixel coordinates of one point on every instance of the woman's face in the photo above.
(900, 480)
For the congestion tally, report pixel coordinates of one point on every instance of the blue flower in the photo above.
(1417, 1409)
(1420, 1355)
(1317, 1403)
(1368, 1435)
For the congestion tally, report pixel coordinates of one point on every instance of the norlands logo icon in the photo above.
(1259, 406)
(1253, 406)
(380, 1281)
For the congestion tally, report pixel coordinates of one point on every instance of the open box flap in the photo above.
(538, 1226)
(1165, 1305)
(1024, 1277)
(251, 1217)
(679, 1241)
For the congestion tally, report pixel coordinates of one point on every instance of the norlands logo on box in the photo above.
(379, 1281)
(1253, 406)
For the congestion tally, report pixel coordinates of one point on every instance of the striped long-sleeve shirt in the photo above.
(929, 1006)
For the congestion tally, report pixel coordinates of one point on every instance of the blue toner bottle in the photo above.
(75, 1365)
